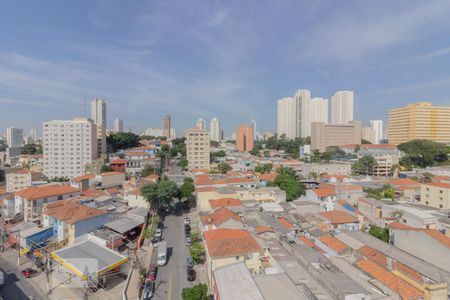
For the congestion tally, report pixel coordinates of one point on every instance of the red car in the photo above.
(28, 272)
(152, 270)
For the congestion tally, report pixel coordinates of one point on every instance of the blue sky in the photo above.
(230, 59)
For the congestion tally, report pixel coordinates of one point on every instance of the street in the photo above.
(172, 277)
(16, 287)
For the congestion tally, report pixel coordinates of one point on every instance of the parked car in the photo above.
(188, 241)
(149, 288)
(189, 262)
(187, 230)
(28, 272)
(187, 221)
(191, 274)
(152, 271)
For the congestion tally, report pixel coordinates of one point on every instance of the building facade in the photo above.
(377, 127)
(215, 129)
(286, 117)
(68, 146)
(198, 149)
(200, 124)
(342, 107)
(435, 194)
(14, 137)
(118, 125)
(318, 110)
(419, 120)
(98, 115)
(244, 138)
(303, 120)
(20, 179)
(368, 134)
(326, 135)
(166, 127)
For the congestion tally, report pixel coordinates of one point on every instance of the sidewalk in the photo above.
(144, 256)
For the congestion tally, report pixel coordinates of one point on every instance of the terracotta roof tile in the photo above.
(285, 223)
(34, 193)
(71, 211)
(307, 241)
(230, 242)
(220, 216)
(439, 184)
(263, 229)
(324, 192)
(93, 193)
(333, 243)
(111, 173)
(270, 177)
(400, 286)
(339, 217)
(403, 181)
(222, 202)
(83, 177)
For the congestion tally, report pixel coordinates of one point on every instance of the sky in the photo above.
(226, 59)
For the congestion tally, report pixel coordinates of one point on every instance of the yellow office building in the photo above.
(419, 121)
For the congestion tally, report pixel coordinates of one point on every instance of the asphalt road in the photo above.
(16, 286)
(171, 278)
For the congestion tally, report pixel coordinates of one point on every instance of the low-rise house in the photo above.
(340, 220)
(221, 218)
(229, 246)
(341, 168)
(231, 203)
(110, 179)
(324, 196)
(435, 194)
(20, 179)
(371, 208)
(410, 216)
(349, 192)
(30, 201)
(71, 218)
(427, 244)
(135, 198)
(118, 165)
(261, 194)
(83, 182)
(7, 204)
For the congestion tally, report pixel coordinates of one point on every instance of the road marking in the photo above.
(169, 288)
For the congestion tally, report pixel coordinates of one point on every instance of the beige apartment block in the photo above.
(327, 135)
(197, 149)
(435, 194)
(419, 120)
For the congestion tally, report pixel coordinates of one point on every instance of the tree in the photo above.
(365, 142)
(254, 151)
(3, 146)
(196, 251)
(122, 140)
(150, 193)
(187, 188)
(167, 190)
(147, 137)
(266, 153)
(214, 144)
(183, 164)
(59, 179)
(380, 233)
(104, 169)
(147, 170)
(289, 182)
(264, 168)
(197, 292)
(31, 149)
(364, 165)
(224, 167)
(217, 154)
(423, 153)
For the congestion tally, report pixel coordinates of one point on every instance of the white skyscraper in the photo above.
(68, 146)
(302, 98)
(14, 137)
(214, 128)
(342, 107)
(200, 124)
(253, 122)
(118, 125)
(286, 117)
(98, 115)
(377, 127)
(318, 110)
(33, 135)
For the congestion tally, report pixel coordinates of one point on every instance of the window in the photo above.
(237, 257)
(440, 205)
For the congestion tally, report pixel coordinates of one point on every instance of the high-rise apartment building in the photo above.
(98, 115)
(198, 149)
(255, 133)
(166, 127)
(286, 117)
(327, 135)
(303, 121)
(342, 107)
(14, 137)
(200, 124)
(68, 146)
(377, 127)
(419, 120)
(368, 134)
(118, 125)
(214, 129)
(33, 135)
(318, 110)
(244, 138)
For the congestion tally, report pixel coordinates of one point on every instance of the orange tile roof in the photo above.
(406, 290)
(333, 243)
(263, 229)
(230, 242)
(398, 225)
(21, 171)
(239, 180)
(34, 193)
(347, 187)
(92, 193)
(83, 177)
(339, 217)
(403, 181)
(434, 234)
(307, 241)
(71, 211)
(137, 154)
(270, 177)
(119, 161)
(205, 189)
(216, 203)
(220, 216)
(441, 177)
(374, 255)
(324, 192)
(285, 223)
(111, 173)
(439, 184)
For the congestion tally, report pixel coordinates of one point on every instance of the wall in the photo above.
(87, 226)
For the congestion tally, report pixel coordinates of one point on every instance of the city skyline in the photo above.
(98, 47)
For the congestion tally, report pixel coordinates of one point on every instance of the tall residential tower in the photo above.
(342, 107)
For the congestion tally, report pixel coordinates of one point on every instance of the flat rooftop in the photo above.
(123, 225)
